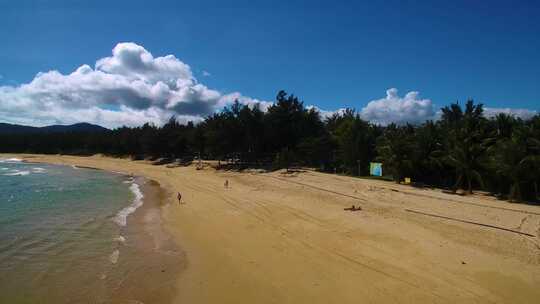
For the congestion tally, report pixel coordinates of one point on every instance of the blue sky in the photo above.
(332, 54)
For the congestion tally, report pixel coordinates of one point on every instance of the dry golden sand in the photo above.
(277, 238)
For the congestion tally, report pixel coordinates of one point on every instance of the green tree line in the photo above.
(461, 150)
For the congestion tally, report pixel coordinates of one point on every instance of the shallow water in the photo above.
(65, 235)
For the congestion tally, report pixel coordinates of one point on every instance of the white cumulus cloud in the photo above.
(228, 99)
(130, 87)
(521, 113)
(400, 110)
(325, 114)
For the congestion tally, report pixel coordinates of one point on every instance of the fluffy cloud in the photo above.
(412, 109)
(128, 88)
(521, 113)
(325, 114)
(132, 87)
(228, 99)
(400, 110)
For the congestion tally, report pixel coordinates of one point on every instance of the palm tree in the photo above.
(515, 160)
(504, 124)
(395, 149)
(355, 143)
(466, 131)
(427, 161)
(464, 159)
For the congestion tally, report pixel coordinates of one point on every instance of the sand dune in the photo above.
(285, 238)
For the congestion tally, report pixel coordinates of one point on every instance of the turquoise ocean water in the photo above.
(60, 231)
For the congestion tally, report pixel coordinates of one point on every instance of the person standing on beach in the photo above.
(226, 184)
(179, 196)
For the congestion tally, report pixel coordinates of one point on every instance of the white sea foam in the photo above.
(74, 167)
(10, 160)
(121, 216)
(38, 170)
(4, 169)
(120, 172)
(114, 256)
(17, 172)
(120, 239)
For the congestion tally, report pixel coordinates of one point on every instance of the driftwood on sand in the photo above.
(353, 208)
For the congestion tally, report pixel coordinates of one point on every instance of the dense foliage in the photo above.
(461, 150)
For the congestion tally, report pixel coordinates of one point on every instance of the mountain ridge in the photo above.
(6, 128)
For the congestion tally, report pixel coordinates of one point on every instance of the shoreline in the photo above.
(149, 260)
(144, 255)
(271, 238)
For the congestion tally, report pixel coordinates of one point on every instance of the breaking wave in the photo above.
(17, 172)
(10, 160)
(121, 216)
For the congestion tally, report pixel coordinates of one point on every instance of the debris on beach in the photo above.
(353, 208)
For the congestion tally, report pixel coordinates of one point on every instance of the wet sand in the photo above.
(285, 238)
(149, 260)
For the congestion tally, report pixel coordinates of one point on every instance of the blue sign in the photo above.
(375, 169)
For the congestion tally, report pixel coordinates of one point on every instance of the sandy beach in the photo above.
(286, 238)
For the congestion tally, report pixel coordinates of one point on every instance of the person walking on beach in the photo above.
(179, 196)
(226, 184)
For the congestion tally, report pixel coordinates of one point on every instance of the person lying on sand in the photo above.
(353, 208)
